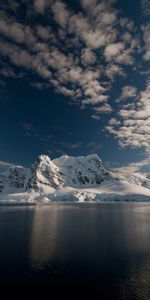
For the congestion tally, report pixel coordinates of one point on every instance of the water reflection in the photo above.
(44, 234)
(136, 228)
(106, 245)
(90, 237)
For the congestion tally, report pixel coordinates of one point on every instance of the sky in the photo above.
(75, 80)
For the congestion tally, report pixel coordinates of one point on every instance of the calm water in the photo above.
(76, 249)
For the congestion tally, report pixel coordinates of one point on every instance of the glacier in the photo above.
(82, 179)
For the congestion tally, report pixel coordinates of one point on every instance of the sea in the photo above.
(75, 251)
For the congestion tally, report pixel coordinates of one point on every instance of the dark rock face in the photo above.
(2, 182)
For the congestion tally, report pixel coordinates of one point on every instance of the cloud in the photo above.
(127, 24)
(113, 50)
(112, 70)
(16, 31)
(145, 6)
(65, 91)
(132, 167)
(44, 32)
(146, 32)
(88, 57)
(127, 37)
(132, 126)
(114, 121)
(78, 54)
(103, 109)
(40, 5)
(61, 13)
(117, 53)
(128, 91)
(5, 165)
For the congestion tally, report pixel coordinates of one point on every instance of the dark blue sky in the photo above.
(75, 80)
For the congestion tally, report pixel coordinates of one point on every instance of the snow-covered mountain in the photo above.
(44, 173)
(81, 170)
(14, 179)
(64, 171)
(82, 178)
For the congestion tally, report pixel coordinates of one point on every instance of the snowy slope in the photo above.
(82, 178)
(115, 191)
(14, 179)
(81, 170)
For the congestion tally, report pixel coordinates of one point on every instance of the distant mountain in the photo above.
(82, 178)
(14, 179)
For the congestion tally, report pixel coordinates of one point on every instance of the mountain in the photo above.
(63, 171)
(81, 170)
(82, 178)
(15, 178)
(44, 173)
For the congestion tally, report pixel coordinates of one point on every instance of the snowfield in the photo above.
(67, 178)
(122, 191)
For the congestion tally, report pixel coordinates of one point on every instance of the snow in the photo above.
(87, 170)
(121, 191)
(71, 179)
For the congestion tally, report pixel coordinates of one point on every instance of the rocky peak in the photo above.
(44, 172)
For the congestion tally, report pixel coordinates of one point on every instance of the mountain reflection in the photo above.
(44, 234)
(104, 244)
(97, 243)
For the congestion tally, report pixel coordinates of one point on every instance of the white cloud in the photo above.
(65, 91)
(113, 70)
(112, 50)
(132, 167)
(61, 13)
(104, 108)
(126, 37)
(114, 121)
(96, 100)
(88, 57)
(16, 31)
(128, 91)
(116, 52)
(134, 127)
(70, 56)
